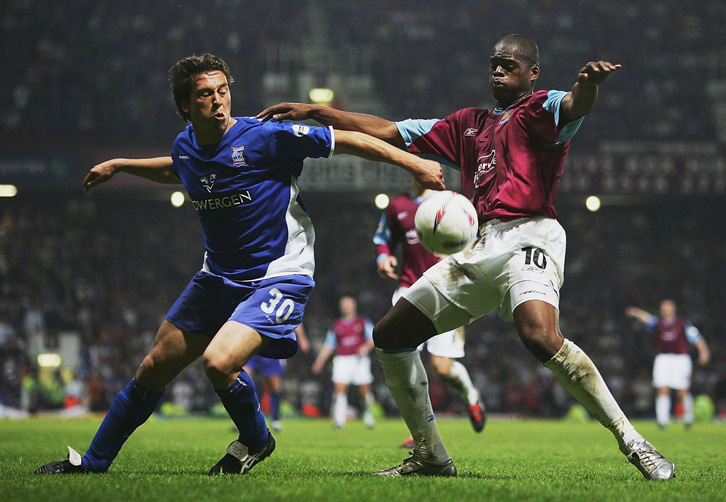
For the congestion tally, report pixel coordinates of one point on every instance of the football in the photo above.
(446, 222)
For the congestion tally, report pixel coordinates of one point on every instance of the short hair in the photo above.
(184, 73)
(524, 48)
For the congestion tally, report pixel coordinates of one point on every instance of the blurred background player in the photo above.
(351, 339)
(397, 228)
(271, 371)
(672, 367)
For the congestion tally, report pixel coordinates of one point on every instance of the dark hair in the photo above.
(184, 73)
(524, 48)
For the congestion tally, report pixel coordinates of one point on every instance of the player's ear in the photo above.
(185, 105)
(534, 71)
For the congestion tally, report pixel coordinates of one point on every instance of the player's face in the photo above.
(509, 78)
(347, 306)
(210, 107)
(667, 309)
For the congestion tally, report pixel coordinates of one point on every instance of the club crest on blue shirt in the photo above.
(238, 156)
(208, 181)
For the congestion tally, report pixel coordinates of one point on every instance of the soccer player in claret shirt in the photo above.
(350, 338)
(396, 229)
(257, 273)
(511, 160)
(672, 367)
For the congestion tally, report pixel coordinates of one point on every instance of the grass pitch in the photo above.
(523, 461)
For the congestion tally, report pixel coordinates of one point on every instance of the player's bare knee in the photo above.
(218, 368)
(540, 341)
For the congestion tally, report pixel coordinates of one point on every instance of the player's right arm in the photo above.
(386, 261)
(427, 173)
(640, 314)
(156, 169)
(345, 121)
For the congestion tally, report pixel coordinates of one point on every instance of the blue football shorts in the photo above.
(273, 307)
(265, 366)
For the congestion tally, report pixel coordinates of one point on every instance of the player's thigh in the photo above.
(362, 374)
(343, 370)
(449, 345)
(173, 350)
(436, 299)
(232, 347)
(673, 371)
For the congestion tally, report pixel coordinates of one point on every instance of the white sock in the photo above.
(406, 379)
(368, 401)
(688, 408)
(663, 410)
(459, 380)
(579, 376)
(340, 409)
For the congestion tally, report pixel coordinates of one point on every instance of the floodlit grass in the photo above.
(523, 461)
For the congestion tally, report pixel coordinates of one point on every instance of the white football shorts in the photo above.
(449, 344)
(511, 263)
(352, 370)
(673, 371)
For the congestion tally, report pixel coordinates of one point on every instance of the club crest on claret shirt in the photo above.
(238, 156)
(505, 117)
(208, 181)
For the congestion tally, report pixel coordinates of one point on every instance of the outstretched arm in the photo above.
(639, 314)
(346, 121)
(427, 173)
(155, 169)
(580, 101)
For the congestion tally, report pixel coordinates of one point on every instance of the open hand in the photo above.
(100, 173)
(294, 112)
(595, 72)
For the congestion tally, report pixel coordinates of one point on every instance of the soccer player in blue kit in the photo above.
(257, 274)
(511, 159)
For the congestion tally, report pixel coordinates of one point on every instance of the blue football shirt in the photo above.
(245, 194)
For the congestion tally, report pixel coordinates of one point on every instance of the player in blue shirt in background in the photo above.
(240, 174)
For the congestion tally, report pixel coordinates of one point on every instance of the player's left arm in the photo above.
(427, 173)
(581, 100)
(302, 339)
(368, 345)
(695, 336)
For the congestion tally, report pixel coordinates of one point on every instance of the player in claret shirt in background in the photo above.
(257, 273)
(396, 230)
(511, 159)
(350, 338)
(672, 367)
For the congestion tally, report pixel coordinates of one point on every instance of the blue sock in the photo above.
(275, 405)
(131, 408)
(241, 402)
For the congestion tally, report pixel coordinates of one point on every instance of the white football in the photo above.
(446, 222)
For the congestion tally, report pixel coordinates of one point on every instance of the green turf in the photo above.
(523, 461)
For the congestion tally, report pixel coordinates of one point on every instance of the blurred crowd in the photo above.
(107, 266)
(89, 70)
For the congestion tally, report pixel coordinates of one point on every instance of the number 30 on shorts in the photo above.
(283, 311)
